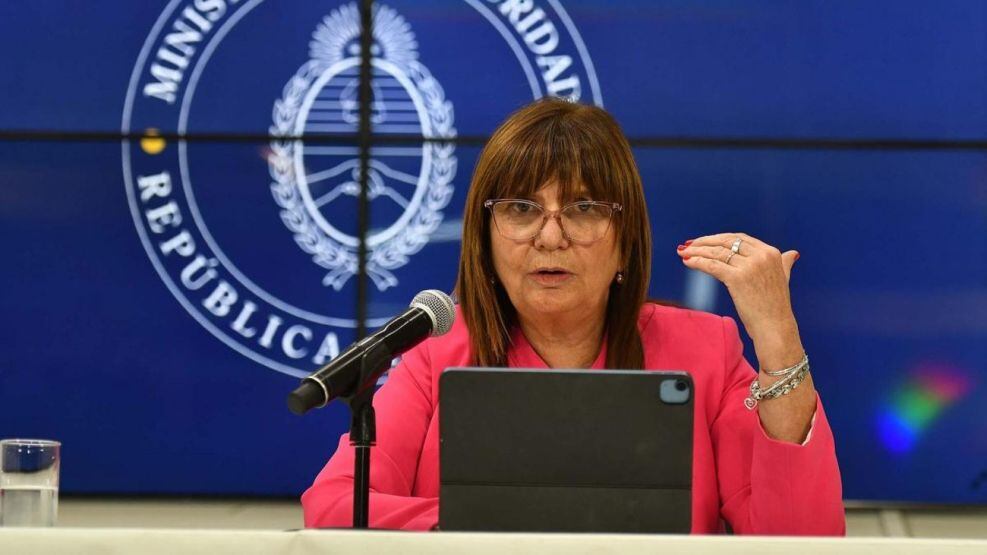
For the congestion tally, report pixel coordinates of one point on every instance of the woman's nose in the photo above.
(551, 235)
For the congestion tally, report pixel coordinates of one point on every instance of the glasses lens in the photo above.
(586, 221)
(517, 219)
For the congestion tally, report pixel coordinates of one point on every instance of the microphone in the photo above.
(430, 313)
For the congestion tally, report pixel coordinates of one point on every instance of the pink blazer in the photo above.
(758, 484)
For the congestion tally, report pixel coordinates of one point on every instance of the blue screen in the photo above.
(160, 297)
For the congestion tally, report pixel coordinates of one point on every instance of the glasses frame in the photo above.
(556, 214)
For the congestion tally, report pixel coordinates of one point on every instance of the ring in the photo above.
(730, 256)
(736, 246)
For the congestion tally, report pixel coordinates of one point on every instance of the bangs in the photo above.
(557, 149)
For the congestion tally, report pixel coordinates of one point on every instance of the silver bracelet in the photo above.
(791, 370)
(783, 386)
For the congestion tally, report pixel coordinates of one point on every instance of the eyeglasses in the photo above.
(583, 222)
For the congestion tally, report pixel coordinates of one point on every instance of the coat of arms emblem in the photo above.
(408, 185)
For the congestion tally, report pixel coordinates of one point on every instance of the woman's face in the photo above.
(548, 275)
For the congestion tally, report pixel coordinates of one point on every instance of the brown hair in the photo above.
(575, 144)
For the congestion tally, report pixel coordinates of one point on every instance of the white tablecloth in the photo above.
(347, 542)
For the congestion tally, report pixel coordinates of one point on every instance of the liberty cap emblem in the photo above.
(408, 184)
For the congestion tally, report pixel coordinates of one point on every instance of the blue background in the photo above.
(95, 352)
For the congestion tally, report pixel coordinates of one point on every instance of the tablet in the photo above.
(565, 450)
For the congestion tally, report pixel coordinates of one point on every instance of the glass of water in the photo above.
(29, 482)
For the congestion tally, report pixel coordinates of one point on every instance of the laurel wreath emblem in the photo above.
(392, 36)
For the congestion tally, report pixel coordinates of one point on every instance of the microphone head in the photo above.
(439, 308)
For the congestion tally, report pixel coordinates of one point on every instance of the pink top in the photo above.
(759, 485)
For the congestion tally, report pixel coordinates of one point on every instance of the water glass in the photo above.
(29, 482)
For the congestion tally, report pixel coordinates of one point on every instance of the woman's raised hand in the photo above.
(756, 277)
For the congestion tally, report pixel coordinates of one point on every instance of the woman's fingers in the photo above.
(727, 239)
(710, 253)
(711, 266)
(717, 253)
(788, 259)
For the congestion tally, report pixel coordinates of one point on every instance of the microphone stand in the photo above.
(363, 435)
(375, 358)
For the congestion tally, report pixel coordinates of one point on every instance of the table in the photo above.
(350, 542)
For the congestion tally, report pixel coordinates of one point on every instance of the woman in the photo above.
(556, 253)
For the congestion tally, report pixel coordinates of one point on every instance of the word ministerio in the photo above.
(194, 24)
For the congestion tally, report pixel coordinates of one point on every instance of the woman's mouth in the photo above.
(551, 276)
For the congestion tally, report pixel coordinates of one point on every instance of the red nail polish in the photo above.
(681, 247)
(797, 256)
(686, 257)
(689, 242)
